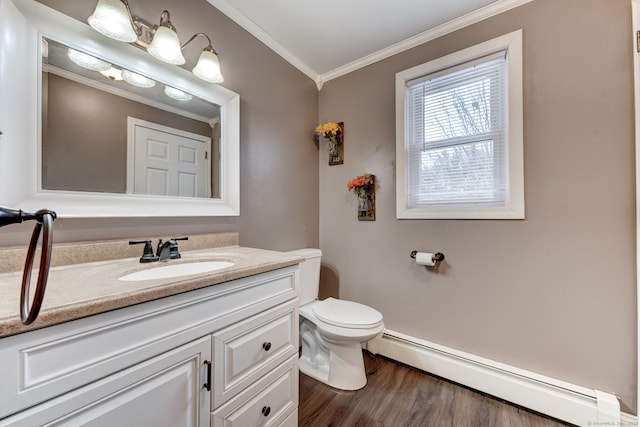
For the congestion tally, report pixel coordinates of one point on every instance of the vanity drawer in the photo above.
(269, 402)
(246, 351)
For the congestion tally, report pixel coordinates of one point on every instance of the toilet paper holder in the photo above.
(437, 257)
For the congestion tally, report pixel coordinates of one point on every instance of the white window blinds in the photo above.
(456, 137)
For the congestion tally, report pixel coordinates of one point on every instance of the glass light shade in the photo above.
(135, 79)
(87, 61)
(166, 46)
(112, 19)
(208, 67)
(177, 94)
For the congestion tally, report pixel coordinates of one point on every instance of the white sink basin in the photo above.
(176, 270)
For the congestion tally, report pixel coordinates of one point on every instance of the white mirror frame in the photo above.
(23, 23)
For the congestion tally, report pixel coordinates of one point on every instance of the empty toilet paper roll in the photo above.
(425, 258)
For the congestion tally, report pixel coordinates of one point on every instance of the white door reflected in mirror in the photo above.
(167, 162)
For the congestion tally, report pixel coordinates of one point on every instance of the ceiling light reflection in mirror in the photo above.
(177, 94)
(68, 62)
(136, 79)
(185, 111)
(87, 61)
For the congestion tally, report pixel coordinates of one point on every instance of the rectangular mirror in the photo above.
(109, 147)
(138, 136)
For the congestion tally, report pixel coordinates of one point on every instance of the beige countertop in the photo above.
(79, 290)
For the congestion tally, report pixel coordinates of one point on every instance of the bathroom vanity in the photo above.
(216, 348)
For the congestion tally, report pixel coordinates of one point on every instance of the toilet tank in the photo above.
(309, 274)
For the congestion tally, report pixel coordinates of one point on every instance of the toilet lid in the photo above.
(346, 314)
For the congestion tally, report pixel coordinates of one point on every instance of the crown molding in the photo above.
(478, 15)
(255, 30)
(470, 18)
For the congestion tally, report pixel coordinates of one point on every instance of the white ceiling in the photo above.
(328, 38)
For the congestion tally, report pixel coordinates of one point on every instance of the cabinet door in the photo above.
(167, 390)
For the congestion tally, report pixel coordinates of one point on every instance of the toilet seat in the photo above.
(347, 314)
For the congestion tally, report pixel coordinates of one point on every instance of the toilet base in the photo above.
(344, 370)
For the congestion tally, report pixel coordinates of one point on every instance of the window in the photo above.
(459, 134)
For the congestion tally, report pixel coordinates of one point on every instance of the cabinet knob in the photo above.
(266, 410)
(266, 346)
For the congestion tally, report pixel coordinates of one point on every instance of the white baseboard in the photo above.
(555, 398)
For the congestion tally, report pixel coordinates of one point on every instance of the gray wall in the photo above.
(553, 294)
(279, 163)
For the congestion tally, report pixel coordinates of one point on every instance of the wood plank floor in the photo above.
(399, 396)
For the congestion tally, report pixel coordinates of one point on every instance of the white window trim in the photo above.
(514, 206)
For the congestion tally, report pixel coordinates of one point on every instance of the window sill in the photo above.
(465, 213)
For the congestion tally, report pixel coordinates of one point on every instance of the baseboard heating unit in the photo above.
(555, 398)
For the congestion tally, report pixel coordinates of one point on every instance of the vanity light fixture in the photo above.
(87, 61)
(136, 79)
(177, 94)
(114, 19)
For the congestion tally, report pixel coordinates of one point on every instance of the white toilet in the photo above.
(332, 330)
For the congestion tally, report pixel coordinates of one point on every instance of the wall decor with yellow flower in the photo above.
(334, 134)
(364, 187)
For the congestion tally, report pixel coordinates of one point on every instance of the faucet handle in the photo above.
(173, 250)
(169, 249)
(148, 255)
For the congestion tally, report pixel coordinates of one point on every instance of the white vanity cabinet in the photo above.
(221, 355)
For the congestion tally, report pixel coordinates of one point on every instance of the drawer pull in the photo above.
(266, 346)
(266, 410)
(207, 385)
